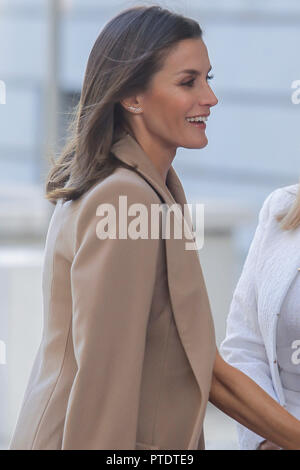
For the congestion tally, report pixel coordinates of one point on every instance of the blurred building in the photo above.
(253, 148)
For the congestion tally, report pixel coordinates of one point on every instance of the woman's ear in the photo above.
(131, 104)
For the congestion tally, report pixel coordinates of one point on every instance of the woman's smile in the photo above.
(198, 121)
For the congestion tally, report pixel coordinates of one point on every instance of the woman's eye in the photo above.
(191, 82)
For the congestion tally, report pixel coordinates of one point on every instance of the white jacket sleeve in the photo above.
(243, 346)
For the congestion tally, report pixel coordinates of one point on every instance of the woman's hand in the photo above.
(268, 445)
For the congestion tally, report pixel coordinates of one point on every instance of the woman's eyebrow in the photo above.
(192, 71)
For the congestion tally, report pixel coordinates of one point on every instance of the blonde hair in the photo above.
(290, 219)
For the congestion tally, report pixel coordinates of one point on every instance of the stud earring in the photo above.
(135, 110)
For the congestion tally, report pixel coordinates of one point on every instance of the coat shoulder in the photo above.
(122, 182)
(281, 198)
(120, 190)
(291, 189)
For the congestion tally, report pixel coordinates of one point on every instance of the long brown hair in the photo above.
(129, 50)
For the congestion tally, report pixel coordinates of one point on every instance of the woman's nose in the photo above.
(209, 99)
(213, 99)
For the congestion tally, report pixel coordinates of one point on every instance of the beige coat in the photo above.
(128, 345)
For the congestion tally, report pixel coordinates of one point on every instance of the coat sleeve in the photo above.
(243, 346)
(112, 283)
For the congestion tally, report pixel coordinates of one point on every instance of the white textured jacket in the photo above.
(270, 267)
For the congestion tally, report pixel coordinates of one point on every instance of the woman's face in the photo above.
(179, 91)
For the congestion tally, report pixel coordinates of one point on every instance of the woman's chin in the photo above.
(197, 145)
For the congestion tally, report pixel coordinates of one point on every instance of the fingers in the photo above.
(268, 445)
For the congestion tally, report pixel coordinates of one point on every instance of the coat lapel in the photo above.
(187, 288)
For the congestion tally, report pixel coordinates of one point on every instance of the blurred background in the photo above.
(254, 147)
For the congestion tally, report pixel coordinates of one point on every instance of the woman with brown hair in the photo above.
(128, 358)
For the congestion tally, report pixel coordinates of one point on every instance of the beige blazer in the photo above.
(128, 345)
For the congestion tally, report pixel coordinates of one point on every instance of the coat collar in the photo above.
(188, 294)
(128, 150)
